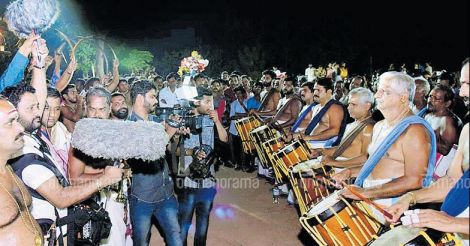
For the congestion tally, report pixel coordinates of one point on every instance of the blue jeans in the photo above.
(199, 200)
(166, 213)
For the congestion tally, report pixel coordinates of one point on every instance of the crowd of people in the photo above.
(402, 138)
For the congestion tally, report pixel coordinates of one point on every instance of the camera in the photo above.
(200, 169)
(189, 120)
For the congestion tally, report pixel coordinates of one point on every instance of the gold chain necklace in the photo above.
(37, 234)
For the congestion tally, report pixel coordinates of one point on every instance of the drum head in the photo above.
(398, 235)
(289, 148)
(322, 209)
(259, 129)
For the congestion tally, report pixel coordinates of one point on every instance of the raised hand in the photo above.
(27, 46)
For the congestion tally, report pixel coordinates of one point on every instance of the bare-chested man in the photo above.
(352, 151)
(288, 107)
(445, 123)
(306, 113)
(404, 164)
(328, 118)
(269, 96)
(17, 225)
(72, 108)
(453, 218)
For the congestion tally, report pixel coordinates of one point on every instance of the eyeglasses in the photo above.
(433, 98)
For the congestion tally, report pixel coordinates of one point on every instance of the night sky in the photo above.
(291, 31)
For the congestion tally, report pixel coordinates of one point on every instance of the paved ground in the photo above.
(244, 214)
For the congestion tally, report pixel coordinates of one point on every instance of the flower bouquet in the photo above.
(193, 64)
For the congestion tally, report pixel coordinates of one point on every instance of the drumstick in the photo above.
(280, 128)
(308, 149)
(367, 200)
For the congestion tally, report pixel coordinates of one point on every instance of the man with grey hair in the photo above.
(402, 150)
(98, 103)
(352, 151)
(420, 102)
(82, 170)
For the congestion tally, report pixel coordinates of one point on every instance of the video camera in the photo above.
(189, 120)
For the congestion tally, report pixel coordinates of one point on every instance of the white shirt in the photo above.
(310, 73)
(34, 176)
(167, 98)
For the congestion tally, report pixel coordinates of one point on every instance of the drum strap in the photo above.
(302, 117)
(348, 140)
(316, 119)
(265, 100)
(374, 159)
(243, 106)
(294, 98)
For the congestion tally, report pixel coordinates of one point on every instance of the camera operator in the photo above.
(152, 187)
(199, 185)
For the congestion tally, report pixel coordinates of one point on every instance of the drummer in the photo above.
(270, 96)
(288, 108)
(403, 147)
(306, 113)
(328, 121)
(453, 218)
(352, 151)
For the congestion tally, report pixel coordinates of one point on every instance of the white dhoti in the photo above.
(386, 202)
(116, 213)
(317, 144)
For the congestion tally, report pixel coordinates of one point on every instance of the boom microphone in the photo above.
(120, 140)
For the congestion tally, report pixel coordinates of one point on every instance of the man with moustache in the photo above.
(452, 190)
(270, 96)
(119, 108)
(46, 179)
(402, 150)
(82, 170)
(446, 125)
(288, 108)
(329, 117)
(17, 225)
(305, 116)
(352, 151)
(72, 108)
(152, 191)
